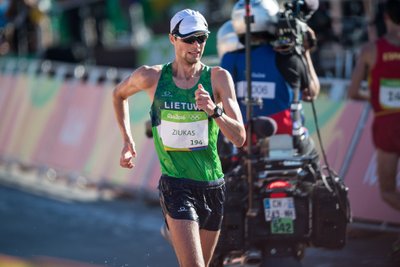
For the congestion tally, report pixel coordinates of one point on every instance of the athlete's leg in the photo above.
(185, 239)
(209, 240)
(387, 171)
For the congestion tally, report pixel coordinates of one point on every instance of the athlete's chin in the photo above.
(193, 60)
(193, 57)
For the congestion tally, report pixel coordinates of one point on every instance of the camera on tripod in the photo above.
(292, 30)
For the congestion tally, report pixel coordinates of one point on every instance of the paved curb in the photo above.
(48, 183)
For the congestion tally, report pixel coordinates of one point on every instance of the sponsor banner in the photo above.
(338, 132)
(345, 128)
(20, 106)
(102, 162)
(153, 170)
(14, 108)
(38, 105)
(330, 119)
(7, 84)
(68, 135)
(366, 202)
(70, 125)
(43, 91)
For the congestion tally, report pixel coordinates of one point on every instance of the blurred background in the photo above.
(128, 33)
(64, 200)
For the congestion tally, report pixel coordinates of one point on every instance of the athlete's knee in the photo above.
(191, 262)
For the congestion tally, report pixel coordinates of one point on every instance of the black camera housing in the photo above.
(292, 28)
(331, 213)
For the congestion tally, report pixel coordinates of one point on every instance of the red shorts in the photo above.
(386, 133)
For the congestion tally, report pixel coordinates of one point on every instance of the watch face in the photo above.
(218, 111)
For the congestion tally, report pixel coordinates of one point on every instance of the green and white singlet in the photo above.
(184, 137)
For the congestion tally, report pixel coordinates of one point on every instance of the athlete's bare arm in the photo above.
(144, 78)
(231, 123)
(364, 63)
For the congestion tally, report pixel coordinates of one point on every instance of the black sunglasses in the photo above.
(190, 40)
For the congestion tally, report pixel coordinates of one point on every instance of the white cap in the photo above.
(187, 22)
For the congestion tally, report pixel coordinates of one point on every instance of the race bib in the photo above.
(259, 89)
(389, 93)
(184, 130)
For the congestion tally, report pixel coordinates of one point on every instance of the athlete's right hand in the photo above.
(127, 154)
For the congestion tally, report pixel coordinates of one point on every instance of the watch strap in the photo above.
(218, 111)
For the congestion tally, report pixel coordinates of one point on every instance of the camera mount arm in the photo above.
(249, 105)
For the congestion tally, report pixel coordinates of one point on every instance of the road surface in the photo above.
(124, 233)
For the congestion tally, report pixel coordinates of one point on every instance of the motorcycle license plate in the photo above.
(276, 208)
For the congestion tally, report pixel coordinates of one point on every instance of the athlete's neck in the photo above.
(186, 71)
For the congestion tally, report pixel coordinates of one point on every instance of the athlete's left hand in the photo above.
(204, 101)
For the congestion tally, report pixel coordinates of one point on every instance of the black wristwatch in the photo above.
(218, 111)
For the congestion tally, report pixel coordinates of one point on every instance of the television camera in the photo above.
(295, 206)
(292, 31)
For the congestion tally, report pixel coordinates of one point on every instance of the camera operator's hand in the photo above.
(284, 50)
(308, 95)
(310, 40)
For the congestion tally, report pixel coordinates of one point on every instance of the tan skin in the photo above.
(386, 162)
(313, 89)
(193, 246)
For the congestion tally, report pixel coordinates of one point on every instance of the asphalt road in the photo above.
(126, 233)
(110, 233)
